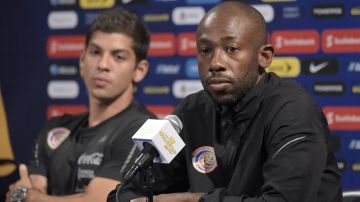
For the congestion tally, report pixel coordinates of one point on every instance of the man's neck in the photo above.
(100, 111)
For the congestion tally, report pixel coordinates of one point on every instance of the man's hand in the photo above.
(175, 197)
(24, 181)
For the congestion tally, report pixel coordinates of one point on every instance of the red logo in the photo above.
(343, 118)
(162, 44)
(160, 110)
(65, 46)
(58, 110)
(187, 44)
(341, 40)
(295, 41)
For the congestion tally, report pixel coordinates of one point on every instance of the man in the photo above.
(250, 136)
(83, 157)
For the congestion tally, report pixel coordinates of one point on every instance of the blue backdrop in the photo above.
(317, 43)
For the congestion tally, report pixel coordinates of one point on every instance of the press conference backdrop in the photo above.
(316, 42)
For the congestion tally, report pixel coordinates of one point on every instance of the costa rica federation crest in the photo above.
(56, 136)
(204, 159)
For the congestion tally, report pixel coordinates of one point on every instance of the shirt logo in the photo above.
(204, 159)
(90, 159)
(56, 136)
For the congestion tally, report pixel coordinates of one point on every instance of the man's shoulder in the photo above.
(67, 119)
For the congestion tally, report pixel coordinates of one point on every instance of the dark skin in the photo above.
(232, 57)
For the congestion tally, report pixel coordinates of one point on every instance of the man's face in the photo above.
(227, 57)
(108, 65)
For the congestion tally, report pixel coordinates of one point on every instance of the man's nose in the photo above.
(104, 61)
(217, 62)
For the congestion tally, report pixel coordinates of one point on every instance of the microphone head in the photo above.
(175, 122)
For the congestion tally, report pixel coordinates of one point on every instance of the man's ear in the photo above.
(141, 71)
(266, 54)
(81, 62)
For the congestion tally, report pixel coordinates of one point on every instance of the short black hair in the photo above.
(121, 21)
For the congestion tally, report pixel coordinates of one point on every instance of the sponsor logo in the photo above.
(355, 89)
(63, 89)
(341, 40)
(62, 20)
(354, 66)
(343, 117)
(199, 2)
(65, 46)
(191, 68)
(267, 11)
(152, 90)
(341, 164)
(162, 17)
(63, 70)
(84, 174)
(296, 41)
(59, 110)
(204, 159)
(168, 69)
(96, 4)
(285, 67)
(291, 12)
(329, 88)
(186, 42)
(320, 66)
(56, 136)
(90, 159)
(355, 11)
(356, 167)
(354, 144)
(328, 11)
(182, 88)
(160, 110)
(187, 15)
(62, 2)
(162, 44)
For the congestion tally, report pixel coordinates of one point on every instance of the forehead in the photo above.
(227, 26)
(111, 40)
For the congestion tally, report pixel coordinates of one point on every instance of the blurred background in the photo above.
(316, 43)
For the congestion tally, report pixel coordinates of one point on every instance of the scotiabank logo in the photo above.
(96, 4)
(65, 46)
(187, 44)
(295, 41)
(343, 118)
(160, 110)
(58, 110)
(285, 67)
(341, 40)
(162, 44)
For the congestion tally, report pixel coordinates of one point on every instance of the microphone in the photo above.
(159, 141)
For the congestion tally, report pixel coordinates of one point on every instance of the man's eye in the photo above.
(204, 51)
(94, 51)
(232, 49)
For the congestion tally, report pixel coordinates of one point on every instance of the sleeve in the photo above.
(40, 154)
(297, 158)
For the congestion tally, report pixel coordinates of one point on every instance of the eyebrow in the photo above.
(223, 39)
(113, 50)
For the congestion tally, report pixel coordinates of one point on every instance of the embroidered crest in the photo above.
(204, 159)
(56, 136)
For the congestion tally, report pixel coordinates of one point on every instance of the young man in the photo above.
(83, 157)
(249, 135)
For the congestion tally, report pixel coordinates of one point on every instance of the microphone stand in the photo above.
(148, 179)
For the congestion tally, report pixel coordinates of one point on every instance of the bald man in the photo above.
(250, 136)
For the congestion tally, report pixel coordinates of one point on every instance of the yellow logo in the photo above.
(96, 4)
(168, 143)
(356, 89)
(355, 10)
(285, 66)
(5, 146)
